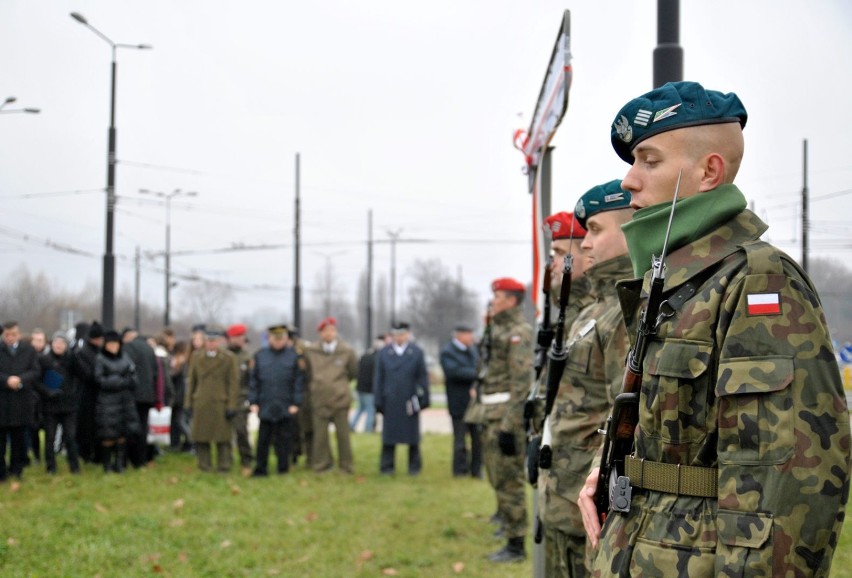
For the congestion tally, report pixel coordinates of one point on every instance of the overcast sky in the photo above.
(406, 109)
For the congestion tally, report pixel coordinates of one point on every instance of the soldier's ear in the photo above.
(713, 172)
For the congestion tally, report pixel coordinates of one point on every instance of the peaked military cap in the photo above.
(400, 326)
(671, 106)
(279, 329)
(561, 227)
(606, 197)
(214, 331)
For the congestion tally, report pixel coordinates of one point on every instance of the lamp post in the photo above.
(10, 100)
(108, 305)
(167, 199)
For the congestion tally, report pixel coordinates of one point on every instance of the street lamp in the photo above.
(108, 306)
(10, 100)
(167, 199)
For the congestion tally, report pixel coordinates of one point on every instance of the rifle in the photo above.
(543, 341)
(556, 359)
(484, 355)
(613, 487)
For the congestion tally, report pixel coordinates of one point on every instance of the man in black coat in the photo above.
(60, 399)
(401, 388)
(19, 372)
(143, 357)
(85, 354)
(459, 360)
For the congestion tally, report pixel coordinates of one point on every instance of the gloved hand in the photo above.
(380, 410)
(230, 414)
(506, 441)
(187, 412)
(54, 393)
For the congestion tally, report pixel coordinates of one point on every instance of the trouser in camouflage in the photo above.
(507, 477)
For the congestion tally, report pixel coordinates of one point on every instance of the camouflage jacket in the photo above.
(597, 345)
(245, 361)
(754, 392)
(509, 368)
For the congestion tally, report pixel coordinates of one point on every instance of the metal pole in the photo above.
(138, 263)
(166, 317)
(297, 288)
(108, 305)
(805, 224)
(394, 236)
(668, 55)
(368, 343)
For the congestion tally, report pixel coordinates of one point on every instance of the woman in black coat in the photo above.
(115, 412)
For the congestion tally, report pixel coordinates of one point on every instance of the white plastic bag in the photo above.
(160, 426)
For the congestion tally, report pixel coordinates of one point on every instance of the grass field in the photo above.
(171, 520)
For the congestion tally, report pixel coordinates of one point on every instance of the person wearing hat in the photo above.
(460, 364)
(59, 390)
(402, 391)
(19, 372)
(276, 386)
(332, 365)
(596, 345)
(87, 439)
(739, 381)
(212, 390)
(115, 413)
(237, 344)
(503, 393)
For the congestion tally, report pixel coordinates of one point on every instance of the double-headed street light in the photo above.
(167, 199)
(10, 100)
(108, 307)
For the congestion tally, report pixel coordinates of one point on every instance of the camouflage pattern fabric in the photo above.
(506, 475)
(509, 370)
(564, 555)
(597, 345)
(753, 392)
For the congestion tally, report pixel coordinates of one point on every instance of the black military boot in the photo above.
(513, 551)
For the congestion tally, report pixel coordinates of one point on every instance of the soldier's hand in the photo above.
(586, 502)
(293, 409)
(508, 445)
(230, 414)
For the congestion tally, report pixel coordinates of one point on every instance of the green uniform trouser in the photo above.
(564, 555)
(507, 477)
(240, 424)
(321, 459)
(224, 458)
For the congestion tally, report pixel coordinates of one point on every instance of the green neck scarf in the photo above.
(694, 217)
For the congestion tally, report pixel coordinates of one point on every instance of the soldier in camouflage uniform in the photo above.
(740, 381)
(596, 345)
(501, 404)
(237, 342)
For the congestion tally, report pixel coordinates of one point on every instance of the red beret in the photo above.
(325, 322)
(236, 330)
(507, 284)
(560, 225)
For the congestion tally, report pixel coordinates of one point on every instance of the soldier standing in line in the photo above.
(596, 345)
(212, 390)
(333, 365)
(502, 397)
(237, 341)
(740, 463)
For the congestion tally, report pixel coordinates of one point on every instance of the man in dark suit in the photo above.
(19, 372)
(143, 357)
(459, 360)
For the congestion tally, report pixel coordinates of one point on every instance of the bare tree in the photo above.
(210, 301)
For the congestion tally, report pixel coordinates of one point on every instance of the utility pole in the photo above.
(805, 224)
(369, 290)
(668, 55)
(394, 237)
(297, 287)
(138, 265)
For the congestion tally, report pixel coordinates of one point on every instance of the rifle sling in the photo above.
(672, 478)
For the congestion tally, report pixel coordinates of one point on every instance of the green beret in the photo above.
(673, 105)
(606, 197)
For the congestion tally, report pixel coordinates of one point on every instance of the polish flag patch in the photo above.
(515, 339)
(764, 304)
